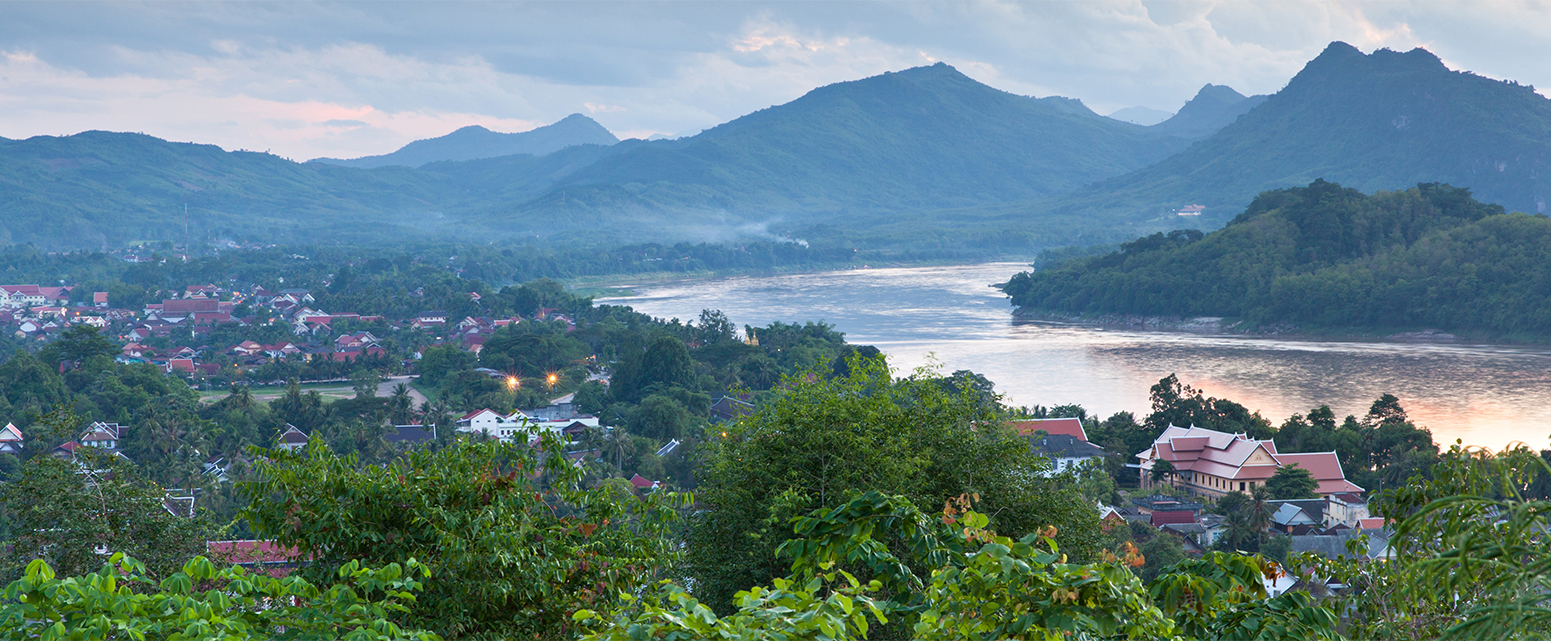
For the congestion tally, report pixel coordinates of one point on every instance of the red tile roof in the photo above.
(1240, 458)
(1176, 516)
(1067, 426)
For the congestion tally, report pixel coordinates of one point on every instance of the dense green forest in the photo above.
(1327, 258)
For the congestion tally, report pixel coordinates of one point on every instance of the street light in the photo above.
(512, 383)
(553, 378)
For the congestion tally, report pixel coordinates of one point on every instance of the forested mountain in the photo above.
(99, 188)
(923, 138)
(1385, 120)
(474, 142)
(1328, 257)
(923, 160)
(1214, 107)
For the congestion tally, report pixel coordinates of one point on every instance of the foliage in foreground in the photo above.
(823, 439)
(1472, 554)
(980, 586)
(205, 602)
(517, 542)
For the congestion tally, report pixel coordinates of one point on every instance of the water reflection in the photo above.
(1485, 395)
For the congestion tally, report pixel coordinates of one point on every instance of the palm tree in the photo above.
(400, 405)
(1260, 512)
(616, 444)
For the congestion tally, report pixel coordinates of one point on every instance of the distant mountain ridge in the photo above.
(1380, 121)
(923, 138)
(920, 159)
(475, 142)
(1213, 107)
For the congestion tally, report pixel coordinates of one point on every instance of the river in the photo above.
(1485, 395)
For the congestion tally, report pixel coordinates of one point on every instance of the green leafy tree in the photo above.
(1292, 482)
(68, 512)
(823, 439)
(203, 601)
(77, 344)
(517, 542)
(365, 381)
(973, 584)
(437, 363)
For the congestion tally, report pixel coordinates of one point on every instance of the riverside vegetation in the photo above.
(1327, 258)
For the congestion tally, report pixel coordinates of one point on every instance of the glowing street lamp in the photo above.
(512, 383)
(552, 379)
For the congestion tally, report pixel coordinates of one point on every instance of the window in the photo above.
(1241, 486)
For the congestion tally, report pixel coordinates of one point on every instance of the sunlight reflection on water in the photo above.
(1483, 394)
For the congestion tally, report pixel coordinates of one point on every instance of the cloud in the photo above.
(351, 79)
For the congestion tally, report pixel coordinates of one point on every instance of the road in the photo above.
(385, 389)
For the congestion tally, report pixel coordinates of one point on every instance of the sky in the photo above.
(310, 79)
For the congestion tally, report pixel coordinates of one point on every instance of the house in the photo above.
(669, 448)
(728, 408)
(562, 408)
(16, 296)
(298, 295)
(104, 436)
(185, 307)
(1212, 526)
(475, 342)
(491, 423)
(291, 439)
(1067, 426)
(1211, 463)
(11, 440)
(185, 365)
(429, 319)
(1160, 519)
(202, 291)
(1290, 515)
(1346, 508)
(1191, 210)
(281, 349)
(1146, 505)
(99, 299)
(643, 483)
(247, 348)
(1332, 546)
(216, 467)
(1064, 451)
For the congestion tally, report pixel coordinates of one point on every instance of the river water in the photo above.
(1482, 394)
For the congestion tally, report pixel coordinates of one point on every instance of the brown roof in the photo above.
(1067, 426)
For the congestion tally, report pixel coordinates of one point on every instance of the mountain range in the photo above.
(475, 142)
(922, 158)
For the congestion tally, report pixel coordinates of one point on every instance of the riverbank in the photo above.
(1217, 325)
(624, 285)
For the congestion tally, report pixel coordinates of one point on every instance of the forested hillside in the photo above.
(922, 138)
(1385, 120)
(1324, 256)
(98, 189)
